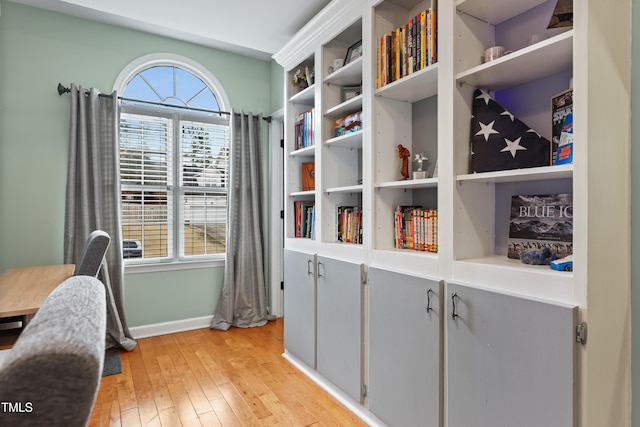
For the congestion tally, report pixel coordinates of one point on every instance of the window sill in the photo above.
(172, 266)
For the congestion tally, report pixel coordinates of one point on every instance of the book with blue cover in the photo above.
(562, 127)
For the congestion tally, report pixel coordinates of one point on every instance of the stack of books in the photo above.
(416, 228)
(303, 133)
(304, 212)
(349, 224)
(409, 48)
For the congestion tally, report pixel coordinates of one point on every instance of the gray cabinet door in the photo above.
(339, 332)
(300, 305)
(405, 348)
(511, 360)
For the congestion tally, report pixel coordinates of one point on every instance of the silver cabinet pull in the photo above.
(454, 309)
(428, 307)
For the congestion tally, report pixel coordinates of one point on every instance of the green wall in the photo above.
(635, 211)
(277, 87)
(40, 48)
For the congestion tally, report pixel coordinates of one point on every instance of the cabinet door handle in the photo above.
(319, 270)
(309, 267)
(429, 292)
(454, 309)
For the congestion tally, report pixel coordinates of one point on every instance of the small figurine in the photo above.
(299, 79)
(419, 158)
(404, 154)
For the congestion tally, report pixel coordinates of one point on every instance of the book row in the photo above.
(303, 133)
(349, 224)
(408, 48)
(416, 228)
(304, 214)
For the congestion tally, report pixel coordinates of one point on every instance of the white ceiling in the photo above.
(256, 28)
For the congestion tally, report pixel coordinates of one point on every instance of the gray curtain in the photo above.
(93, 197)
(242, 301)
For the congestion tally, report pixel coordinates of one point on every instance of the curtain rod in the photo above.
(62, 90)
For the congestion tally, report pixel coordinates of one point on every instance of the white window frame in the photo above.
(128, 73)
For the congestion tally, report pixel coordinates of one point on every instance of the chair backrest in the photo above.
(92, 254)
(51, 375)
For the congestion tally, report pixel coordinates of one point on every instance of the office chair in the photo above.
(92, 254)
(53, 371)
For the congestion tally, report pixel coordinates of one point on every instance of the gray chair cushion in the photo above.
(52, 373)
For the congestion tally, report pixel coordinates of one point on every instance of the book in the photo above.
(564, 154)
(423, 40)
(541, 223)
(308, 176)
(432, 31)
(561, 108)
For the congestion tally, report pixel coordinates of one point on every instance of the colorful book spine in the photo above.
(433, 56)
(423, 39)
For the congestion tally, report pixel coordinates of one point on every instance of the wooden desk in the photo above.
(23, 289)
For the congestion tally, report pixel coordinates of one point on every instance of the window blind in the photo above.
(174, 176)
(204, 178)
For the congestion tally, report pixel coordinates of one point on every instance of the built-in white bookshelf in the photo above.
(428, 111)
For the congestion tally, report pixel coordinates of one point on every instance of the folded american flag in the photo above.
(499, 141)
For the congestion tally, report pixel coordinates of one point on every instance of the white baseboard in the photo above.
(356, 407)
(170, 327)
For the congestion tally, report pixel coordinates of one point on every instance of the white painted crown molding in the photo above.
(319, 30)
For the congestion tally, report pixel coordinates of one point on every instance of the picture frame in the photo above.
(349, 92)
(308, 175)
(354, 52)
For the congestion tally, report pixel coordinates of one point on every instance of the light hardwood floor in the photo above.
(213, 378)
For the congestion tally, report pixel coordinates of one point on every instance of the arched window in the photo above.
(174, 161)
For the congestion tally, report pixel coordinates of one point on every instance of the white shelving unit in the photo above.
(429, 112)
(527, 78)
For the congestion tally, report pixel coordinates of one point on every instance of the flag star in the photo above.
(484, 95)
(486, 130)
(533, 131)
(513, 146)
(506, 113)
